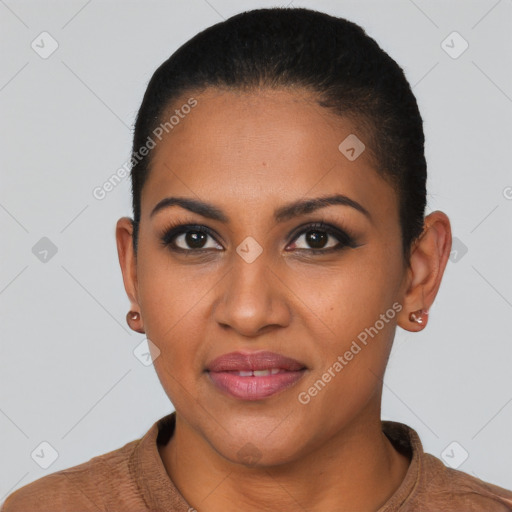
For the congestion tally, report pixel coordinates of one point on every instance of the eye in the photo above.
(188, 238)
(323, 238)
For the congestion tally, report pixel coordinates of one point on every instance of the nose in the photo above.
(252, 298)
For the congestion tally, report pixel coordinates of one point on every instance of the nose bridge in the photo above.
(252, 297)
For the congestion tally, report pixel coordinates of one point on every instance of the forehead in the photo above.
(259, 149)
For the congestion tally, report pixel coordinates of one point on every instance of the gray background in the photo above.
(68, 374)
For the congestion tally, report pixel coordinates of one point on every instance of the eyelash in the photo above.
(177, 228)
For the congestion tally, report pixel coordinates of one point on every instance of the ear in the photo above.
(127, 259)
(429, 256)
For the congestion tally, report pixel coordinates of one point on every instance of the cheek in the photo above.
(350, 361)
(351, 318)
(173, 308)
(172, 322)
(340, 301)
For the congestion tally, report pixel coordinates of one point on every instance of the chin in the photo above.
(259, 450)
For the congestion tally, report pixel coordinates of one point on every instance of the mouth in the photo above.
(254, 375)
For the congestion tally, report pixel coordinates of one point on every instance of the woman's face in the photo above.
(261, 278)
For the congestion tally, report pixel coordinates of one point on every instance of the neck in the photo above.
(357, 469)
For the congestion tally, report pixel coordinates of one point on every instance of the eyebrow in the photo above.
(282, 214)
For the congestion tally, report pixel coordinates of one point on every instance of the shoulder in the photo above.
(91, 486)
(51, 492)
(431, 486)
(448, 489)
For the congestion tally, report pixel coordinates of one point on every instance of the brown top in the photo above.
(133, 479)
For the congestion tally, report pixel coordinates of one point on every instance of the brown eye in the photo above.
(316, 239)
(320, 237)
(193, 239)
(190, 238)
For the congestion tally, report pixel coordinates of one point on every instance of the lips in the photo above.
(254, 375)
(251, 361)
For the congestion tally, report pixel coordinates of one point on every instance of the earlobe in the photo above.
(427, 264)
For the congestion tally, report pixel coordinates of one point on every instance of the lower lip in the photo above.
(254, 388)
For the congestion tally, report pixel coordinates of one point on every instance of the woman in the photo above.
(278, 240)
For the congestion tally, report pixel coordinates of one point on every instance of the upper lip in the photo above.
(247, 361)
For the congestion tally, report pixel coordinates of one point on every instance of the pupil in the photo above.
(316, 239)
(195, 239)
